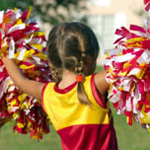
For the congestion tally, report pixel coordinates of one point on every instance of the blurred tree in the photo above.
(50, 11)
(141, 13)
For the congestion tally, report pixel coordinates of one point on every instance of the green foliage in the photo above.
(47, 10)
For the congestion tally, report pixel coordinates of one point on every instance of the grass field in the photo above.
(129, 138)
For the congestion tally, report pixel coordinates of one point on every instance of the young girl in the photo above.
(76, 104)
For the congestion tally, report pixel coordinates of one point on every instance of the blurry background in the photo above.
(103, 16)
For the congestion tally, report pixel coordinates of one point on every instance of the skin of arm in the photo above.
(101, 84)
(28, 86)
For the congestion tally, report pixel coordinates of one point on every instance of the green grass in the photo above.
(10, 141)
(129, 137)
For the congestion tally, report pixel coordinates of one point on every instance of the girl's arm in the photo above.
(101, 84)
(30, 87)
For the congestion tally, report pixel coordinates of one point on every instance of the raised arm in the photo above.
(30, 87)
(101, 84)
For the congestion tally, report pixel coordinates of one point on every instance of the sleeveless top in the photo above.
(80, 127)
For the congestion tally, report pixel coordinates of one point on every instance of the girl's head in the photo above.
(72, 46)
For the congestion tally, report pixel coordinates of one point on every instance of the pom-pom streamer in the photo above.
(23, 40)
(128, 72)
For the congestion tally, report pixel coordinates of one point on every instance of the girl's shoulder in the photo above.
(100, 82)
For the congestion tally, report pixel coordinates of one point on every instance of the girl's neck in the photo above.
(68, 78)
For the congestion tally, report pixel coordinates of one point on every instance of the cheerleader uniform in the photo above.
(80, 127)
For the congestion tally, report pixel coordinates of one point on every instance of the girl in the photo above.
(76, 104)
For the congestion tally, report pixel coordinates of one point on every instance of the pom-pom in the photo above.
(147, 3)
(128, 72)
(23, 40)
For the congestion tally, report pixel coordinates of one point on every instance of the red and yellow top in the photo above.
(80, 126)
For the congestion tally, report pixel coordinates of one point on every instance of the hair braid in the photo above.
(80, 88)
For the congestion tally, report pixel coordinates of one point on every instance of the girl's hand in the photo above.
(30, 87)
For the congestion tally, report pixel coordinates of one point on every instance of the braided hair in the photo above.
(69, 46)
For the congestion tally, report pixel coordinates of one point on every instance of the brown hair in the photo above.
(69, 44)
